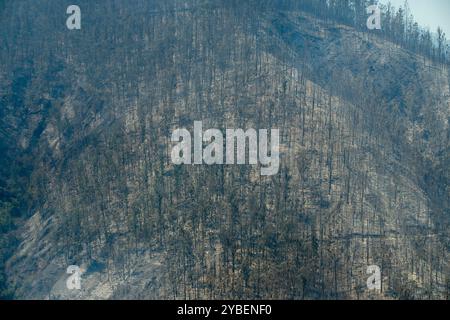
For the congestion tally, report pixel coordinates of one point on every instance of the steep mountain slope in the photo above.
(86, 120)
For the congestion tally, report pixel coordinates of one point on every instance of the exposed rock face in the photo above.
(87, 117)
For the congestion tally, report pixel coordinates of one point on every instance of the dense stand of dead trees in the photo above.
(224, 231)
